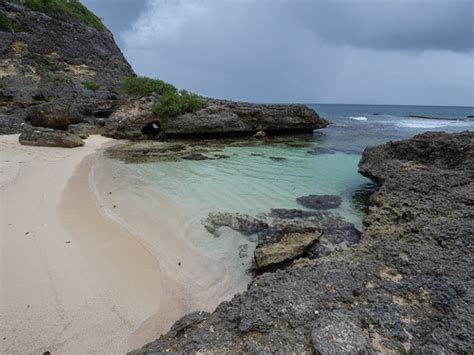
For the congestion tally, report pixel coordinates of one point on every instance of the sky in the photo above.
(418, 52)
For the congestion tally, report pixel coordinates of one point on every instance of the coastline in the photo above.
(72, 281)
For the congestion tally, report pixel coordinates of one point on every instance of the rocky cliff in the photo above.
(57, 62)
(406, 287)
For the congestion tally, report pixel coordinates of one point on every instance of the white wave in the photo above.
(428, 124)
(362, 118)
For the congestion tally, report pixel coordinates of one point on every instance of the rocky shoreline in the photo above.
(405, 287)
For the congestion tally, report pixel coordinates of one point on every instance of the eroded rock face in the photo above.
(48, 58)
(219, 118)
(49, 138)
(406, 287)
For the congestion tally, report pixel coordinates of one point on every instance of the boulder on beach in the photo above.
(49, 138)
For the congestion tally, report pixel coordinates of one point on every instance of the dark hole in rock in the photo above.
(102, 114)
(152, 129)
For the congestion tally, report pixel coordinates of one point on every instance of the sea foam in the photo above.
(361, 118)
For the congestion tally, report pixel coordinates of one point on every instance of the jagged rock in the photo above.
(405, 288)
(84, 130)
(131, 119)
(49, 138)
(320, 202)
(219, 118)
(51, 56)
(57, 114)
(337, 333)
(287, 248)
(239, 222)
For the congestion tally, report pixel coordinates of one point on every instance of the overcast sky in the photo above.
(311, 51)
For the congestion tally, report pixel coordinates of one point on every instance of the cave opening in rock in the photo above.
(152, 129)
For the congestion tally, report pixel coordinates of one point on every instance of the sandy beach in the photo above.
(72, 281)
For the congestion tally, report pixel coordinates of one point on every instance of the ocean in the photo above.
(253, 179)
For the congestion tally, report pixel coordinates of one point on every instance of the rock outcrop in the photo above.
(47, 137)
(57, 57)
(219, 118)
(406, 287)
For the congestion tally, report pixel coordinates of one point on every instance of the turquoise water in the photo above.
(250, 182)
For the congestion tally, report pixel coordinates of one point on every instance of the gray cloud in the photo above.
(384, 51)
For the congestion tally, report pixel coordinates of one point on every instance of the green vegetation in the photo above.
(62, 8)
(41, 61)
(173, 104)
(142, 86)
(90, 85)
(11, 25)
(57, 79)
(3, 86)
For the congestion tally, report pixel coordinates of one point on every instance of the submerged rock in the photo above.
(289, 247)
(49, 138)
(242, 223)
(320, 202)
(195, 156)
(405, 288)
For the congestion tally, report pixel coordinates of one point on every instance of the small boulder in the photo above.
(288, 248)
(49, 138)
(83, 130)
(320, 202)
(260, 134)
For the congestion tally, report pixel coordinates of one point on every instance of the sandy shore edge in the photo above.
(72, 280)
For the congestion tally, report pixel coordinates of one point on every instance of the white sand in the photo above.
(72, 281)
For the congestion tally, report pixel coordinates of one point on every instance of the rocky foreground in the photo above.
(407, 286)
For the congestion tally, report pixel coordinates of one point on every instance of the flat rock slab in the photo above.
(320, 202)
(288, 248)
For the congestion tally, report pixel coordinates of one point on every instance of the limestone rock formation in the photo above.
(219, 118)
(406, 287)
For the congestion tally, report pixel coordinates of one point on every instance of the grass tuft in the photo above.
(178, 103)
(11, 25)
(90, 85)
(142, 86)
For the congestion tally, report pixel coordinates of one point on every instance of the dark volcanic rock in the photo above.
(219, 118)
(54, 56)
(320, 202)
(406, 287)
(49, 138)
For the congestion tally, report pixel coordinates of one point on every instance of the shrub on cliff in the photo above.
(60, 8)
(173, 104)
(90, 85)
(142, 86)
